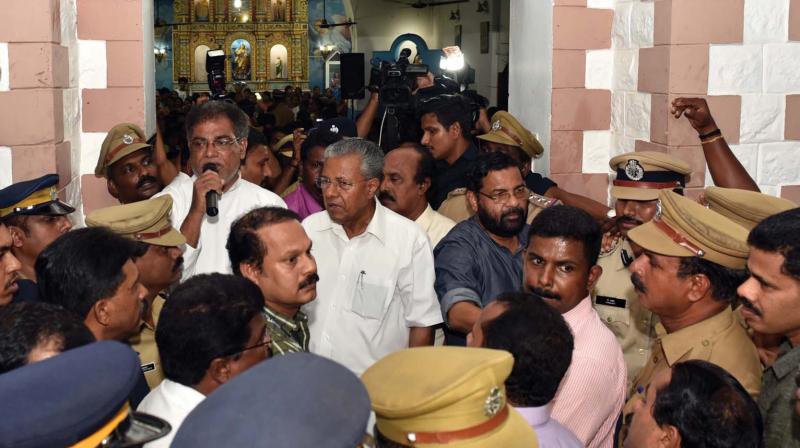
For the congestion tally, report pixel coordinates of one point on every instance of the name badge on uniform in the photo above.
(149, 367)
(610, 301)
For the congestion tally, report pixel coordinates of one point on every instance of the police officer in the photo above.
(691, 263)
(427, 396)
(35, 217)
(509, 136)
(744, 207)
(640, 177)
(161, 265)
(128, 163)
(79, 399)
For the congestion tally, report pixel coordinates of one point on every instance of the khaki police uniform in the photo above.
(122, 139)
(746, 208)
(148, 222)
(687, 229)
(432, 396)
(617, 304)
(457, 208)
(640, 177)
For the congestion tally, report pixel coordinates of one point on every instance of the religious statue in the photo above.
(241, 61)
(201, 10)
(279, 68)
(278, 11)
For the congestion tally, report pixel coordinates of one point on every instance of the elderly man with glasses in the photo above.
(205, 205)
(375, 294)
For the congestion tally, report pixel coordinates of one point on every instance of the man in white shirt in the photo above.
(217, 135)
(211, 330)
(375, 294)
(407, 175)
(561, 267)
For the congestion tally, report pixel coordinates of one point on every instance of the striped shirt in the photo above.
(289, 335)
(592, 392)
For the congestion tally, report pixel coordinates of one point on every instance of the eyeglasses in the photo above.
(521, 192)
(220, 144)
(342, 184)
(266, 340)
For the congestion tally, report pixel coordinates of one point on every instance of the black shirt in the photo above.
(27, 292)
(450, 177)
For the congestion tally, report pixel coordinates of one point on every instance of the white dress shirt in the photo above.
(210, 254)
(173, 402)
(592, 393)
(435, 224)
(550, 433)
(372, 288)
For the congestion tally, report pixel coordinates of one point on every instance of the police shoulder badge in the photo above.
(127, 139)
(634, 170)
(494, 402)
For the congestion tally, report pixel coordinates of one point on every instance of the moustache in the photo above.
(310, 280)
(386, 196)
(516, 210)
(638, 284)
(144, 180)
(629, 220)
(545, 293)
(13, 279)
(178, 264)
(749, 305)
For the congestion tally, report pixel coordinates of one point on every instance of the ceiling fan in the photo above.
(419, 4)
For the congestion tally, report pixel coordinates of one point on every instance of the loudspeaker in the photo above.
(352, 71)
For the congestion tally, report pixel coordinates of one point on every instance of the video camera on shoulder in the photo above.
(396, 81)
(215, 69)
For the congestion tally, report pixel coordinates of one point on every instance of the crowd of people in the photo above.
(273, 277)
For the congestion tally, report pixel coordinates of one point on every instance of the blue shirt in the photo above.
(470, 266)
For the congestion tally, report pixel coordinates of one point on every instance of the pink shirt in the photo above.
(302, 202)
(592, 392)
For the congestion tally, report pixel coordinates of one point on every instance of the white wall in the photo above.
(531, 73)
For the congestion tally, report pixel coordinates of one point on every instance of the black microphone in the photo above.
(212, 197)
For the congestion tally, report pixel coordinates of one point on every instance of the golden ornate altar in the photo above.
(265, 41)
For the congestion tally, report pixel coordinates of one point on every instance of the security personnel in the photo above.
(159, 267)
(431, 396)
(127, 162)
(295, 400)
(744, 207)
(78, 398)
(509, 136)
(694, 302)
(35, 217)
(640, 178)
